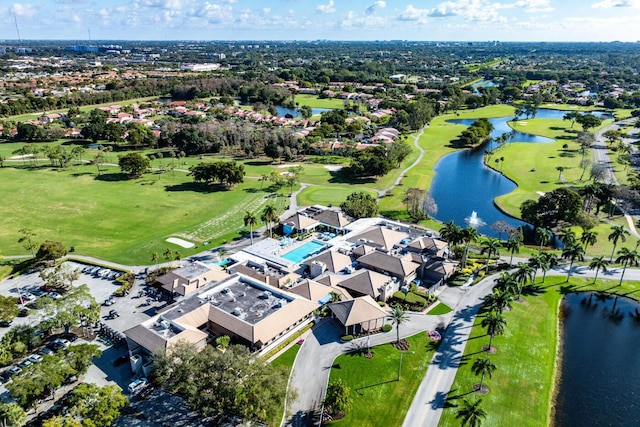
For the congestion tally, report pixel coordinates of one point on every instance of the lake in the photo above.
(600, 369)
(463, 183)
(282, 111)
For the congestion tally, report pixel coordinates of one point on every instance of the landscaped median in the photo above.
(379, 390)
(522, 385)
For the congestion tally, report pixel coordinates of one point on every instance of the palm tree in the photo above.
(495, 324)
(154, 257)
(490, 245)
(568, 236)
(251, 221)
(588, 238)
(547, 262)
(398, 317)
(469, 235)
(535, 262)
(598, 263)
(498, 300)
(618, 232)
(452, 233)
(506, 282)
(269, 215)
(572, 252)
(626, 257)
(482, 366)
(471, 413)
(522, 274)
(513, 245)
(543, 236)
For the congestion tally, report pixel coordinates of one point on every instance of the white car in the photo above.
(35, 358)
(137, 385)
(54, 295)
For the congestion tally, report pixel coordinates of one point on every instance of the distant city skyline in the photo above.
(429, 20)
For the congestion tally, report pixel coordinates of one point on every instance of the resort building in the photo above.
(381, 238)
(359, 315)
(191, 277)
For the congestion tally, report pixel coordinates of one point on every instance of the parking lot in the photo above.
(140, 304)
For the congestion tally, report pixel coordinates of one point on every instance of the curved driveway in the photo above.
(312, 366)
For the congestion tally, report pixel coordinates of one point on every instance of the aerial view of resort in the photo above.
(337, 213)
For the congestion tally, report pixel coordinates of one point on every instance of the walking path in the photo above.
(416, 138)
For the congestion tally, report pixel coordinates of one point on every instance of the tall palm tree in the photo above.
(535, 262)
(469, 235)
(598, 263)
(251, 221)
(618, 232)
(490, 245)
(522, 274)
(483, 366)
(626, 257)
(542, 236)
(573, 253)
(588, 238)
(547, 262)
(498, 300)
(568, 236)
(452, 233)
(471, 413)
(495, 324)
(513, 245)
(398, 317)
(269, 215)
(506, 282)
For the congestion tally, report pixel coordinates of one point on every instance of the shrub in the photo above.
(387, 327)
(399, 296)
(382, 303)
(346, 338)
(414, 299)
(422, 294)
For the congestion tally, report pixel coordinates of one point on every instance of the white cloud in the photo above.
(26, 10)
(266, 10)
(326, 8)
(412, 13)
(164, 4)
(535, 6)
(375, 7)
(609, 4)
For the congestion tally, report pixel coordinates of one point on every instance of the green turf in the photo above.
(378, 397)
(285, 361)
(521, 387)
(314, 102)
(119, 219)
(327, 195)
(441, 308)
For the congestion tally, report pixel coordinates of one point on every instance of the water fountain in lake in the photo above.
(474, 220)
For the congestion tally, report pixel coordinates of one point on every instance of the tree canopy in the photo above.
(225, 172)
(561, 204)
(134, 164)
(360, 205)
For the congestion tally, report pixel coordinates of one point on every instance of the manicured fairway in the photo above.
(314, 102)
(378, 397)
(122, 220)
(521, 386)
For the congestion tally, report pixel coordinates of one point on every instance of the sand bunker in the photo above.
(333, 168)
(287, 166)
(180, 242)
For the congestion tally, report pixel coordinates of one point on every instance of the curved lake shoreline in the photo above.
(599, 371)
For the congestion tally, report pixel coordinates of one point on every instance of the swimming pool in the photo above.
(302, 252)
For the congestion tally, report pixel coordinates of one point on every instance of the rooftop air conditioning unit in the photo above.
(165, 324)
(266, 294)
(237, 311)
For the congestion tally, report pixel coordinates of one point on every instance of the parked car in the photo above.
(26, 297)
(54, 295)
(24, 312)
(14, 370)
(69, 336)
(72, 379)
(137, 385)
(5, 323)
(45, 351)
(58, 344)
(35, 358)
(25, 363)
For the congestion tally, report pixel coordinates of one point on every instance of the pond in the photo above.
(463, 183)
(600, 369)
(282, 111)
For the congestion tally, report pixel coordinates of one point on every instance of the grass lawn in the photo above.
(441, 308)
(5, 270)
(521, 387)
(327, 195)
(375, 389)
(119, 219)
(314, 102)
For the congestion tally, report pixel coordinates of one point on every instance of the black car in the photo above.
(5, 323)
(69, 336)
(24, 312)
(121, 360)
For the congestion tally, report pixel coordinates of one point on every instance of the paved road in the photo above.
(416, 138)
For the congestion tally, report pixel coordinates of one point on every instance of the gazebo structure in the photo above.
(359, 315)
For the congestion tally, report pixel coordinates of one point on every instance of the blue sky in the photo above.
(505, 20)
